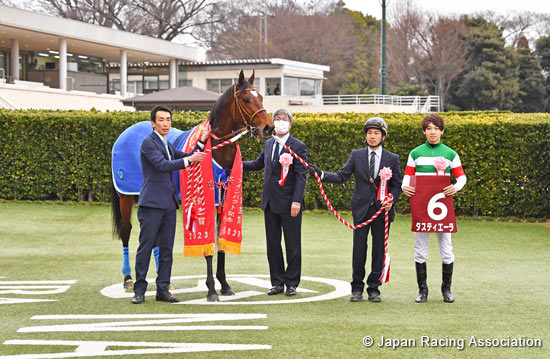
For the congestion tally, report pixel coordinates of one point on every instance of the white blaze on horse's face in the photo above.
(254, 93)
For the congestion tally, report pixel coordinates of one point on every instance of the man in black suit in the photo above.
(282, 203)
(365, 164)
(158, 202)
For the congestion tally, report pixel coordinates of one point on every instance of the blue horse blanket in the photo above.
(126, 163)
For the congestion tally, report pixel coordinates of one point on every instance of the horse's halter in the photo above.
(242, 110)
(239, 105)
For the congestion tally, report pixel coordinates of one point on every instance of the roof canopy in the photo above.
(36, 32)
(180, 98)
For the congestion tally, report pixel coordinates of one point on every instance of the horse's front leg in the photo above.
(212, 295)
(220, 269)
(220, 275)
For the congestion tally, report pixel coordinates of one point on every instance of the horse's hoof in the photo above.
(128, 285)
(227, 291)
(171, 287)
(212, 298)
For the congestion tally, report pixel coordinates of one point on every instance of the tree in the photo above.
(163, 19)
(543, 53)
(362, 76)
(404, 57)
(321, 36)
(532, 91)
(490, 79)
(443, 53)
(425, 49)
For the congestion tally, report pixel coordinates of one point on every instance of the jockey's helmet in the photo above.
(377, 123)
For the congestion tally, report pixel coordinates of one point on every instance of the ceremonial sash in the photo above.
(231, 236)
(431, 210)
(197, 198)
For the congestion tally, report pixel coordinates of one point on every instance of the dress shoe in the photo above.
(138, 298)
(276, 290)
(166, 297)
(356, 297)
(290, 291)
(374, 297)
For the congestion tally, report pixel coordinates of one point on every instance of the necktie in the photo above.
(276, 153)
(165, 142)
(371, 164)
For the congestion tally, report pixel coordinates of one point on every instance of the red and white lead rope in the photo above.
(388, 200)
(196, 189)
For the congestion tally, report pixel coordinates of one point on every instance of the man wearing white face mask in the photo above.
(282, 203)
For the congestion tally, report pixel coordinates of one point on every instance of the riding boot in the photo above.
(446, 285)
(421, 275)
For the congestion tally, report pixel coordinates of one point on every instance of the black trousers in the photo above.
(292, 229)
(360, 247)
(161, 223)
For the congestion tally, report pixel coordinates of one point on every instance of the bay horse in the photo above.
(240, 107)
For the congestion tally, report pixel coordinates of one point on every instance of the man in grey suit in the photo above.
(158, 202)
(282, 203)
(365, 164)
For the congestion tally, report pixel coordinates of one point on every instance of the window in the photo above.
(272, 86)
(185, 82)
(3, 63)
(307, 87)
(150, 83)
(318, 87)
(294, 86)
(114, 85)
(135, 83)
(164, 82)
(219, 85)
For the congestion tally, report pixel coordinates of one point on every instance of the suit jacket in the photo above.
(158, 189)
(280, 198)
(358, 165)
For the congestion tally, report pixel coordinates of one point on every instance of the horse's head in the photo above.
(249, 106)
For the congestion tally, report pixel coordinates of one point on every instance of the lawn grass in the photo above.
(501, 286)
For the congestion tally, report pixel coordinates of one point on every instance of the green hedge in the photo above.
(66, 155)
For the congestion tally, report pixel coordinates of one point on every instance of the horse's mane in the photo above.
(220, 103)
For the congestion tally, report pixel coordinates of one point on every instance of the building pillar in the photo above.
(63, 64)
(14, 60)
(173, 73)
(123, 73)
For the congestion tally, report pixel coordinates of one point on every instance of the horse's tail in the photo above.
(116, 215)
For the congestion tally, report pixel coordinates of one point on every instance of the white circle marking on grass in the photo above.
(260, 281)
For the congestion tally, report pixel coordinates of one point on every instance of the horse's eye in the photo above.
(246, 100)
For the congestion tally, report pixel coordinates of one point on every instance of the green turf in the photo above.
(501, 286)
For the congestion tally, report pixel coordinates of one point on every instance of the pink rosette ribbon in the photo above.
(384, 174)
(440, 164)
(285, 160)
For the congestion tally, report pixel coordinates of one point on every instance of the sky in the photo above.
(448, 7)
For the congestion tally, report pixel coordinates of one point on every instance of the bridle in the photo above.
(244, 114)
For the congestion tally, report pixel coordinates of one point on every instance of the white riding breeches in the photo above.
(422, 244)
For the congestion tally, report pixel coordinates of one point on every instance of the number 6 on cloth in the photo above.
(431, 210)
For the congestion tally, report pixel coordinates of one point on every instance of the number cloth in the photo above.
(431, 210)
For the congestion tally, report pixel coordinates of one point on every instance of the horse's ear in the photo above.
(241, 80)
(251, 79)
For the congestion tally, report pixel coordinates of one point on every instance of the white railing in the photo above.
(419, 103)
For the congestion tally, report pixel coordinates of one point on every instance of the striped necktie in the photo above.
(372, 164)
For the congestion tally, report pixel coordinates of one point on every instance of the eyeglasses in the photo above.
(281, 119)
